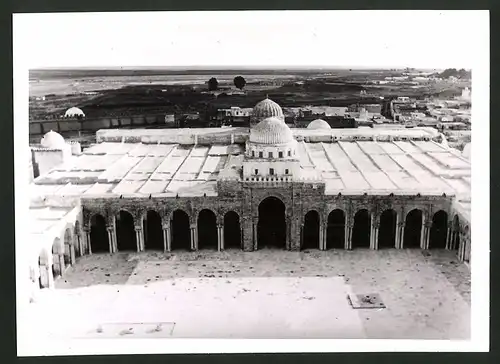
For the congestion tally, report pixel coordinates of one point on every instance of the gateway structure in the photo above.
(250, 188)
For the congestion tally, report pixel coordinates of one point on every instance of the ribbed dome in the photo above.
(74, 111)
(271, 131)
(53, 140)
(318, 124)
(266, 109)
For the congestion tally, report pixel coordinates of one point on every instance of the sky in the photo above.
(378, 39)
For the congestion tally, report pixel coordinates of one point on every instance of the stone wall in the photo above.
(244, 199)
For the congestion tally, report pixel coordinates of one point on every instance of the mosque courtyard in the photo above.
(262, 294)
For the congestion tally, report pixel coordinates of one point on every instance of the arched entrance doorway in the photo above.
(99, 241)
(77, 240)
(467, 247)
(455, 240)
(361, 229)
(125, 231)
(310, 235)
(232, 231)
(439, 229)
(271, 229)
(43, 263)
(153, 232)
(335, 232)
(69, 249)
(387, 229)
(57, 258)
(181, 231)
(207, 230)
(413, 229)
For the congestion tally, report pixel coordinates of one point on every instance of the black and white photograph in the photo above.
(248, 176)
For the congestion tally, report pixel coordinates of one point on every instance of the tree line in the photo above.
(239, 82)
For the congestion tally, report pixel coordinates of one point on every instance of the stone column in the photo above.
(302, 242)
(422, 233)
(110, 239)
(255, 234)
(401, 235)
(247, 234)
(87, 241)
(449, 235)
(374, 236)
(46, 278)
(167, 243)
(139, 236)
(293, 232)
(427, 235)
(321, 237)
(194, 237)
(220, 232)
(46, 274)
(348, 237)
(72, 255)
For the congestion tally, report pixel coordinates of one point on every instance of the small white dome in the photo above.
(318, 124)
(73, 111)
(267, 108)
(53, 140)
(271, 131)
(466, 151)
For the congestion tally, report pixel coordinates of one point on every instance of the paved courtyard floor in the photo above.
(263, 294)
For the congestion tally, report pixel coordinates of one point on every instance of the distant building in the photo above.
(74, 112)
(403, 99)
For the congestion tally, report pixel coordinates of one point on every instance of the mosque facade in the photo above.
(267, 186)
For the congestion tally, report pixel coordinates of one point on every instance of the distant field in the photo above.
(129, 92)
(62, 85)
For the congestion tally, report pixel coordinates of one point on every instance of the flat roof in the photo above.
(136, 169)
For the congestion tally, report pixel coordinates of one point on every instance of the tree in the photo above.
(213, 84)
(239, 82)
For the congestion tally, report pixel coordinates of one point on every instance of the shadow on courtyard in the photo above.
(361, 265)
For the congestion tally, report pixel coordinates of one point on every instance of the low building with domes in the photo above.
(238, 188)
(51, 152)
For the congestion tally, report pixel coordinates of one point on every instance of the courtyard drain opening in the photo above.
(371, 300)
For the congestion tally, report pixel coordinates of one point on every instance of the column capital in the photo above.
(165, 226)
(138, 228)
(192, 226)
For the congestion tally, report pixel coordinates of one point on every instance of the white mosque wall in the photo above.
(47, 159)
